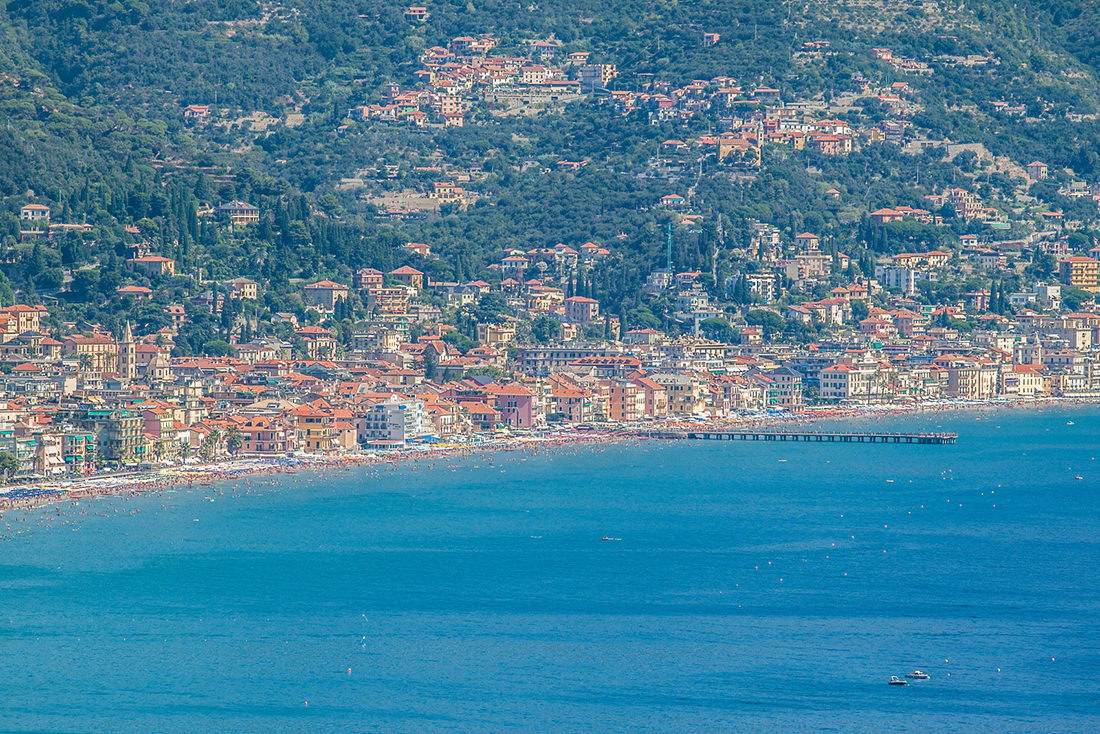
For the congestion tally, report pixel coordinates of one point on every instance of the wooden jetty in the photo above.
(810, 436)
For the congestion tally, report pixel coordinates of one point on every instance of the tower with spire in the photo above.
(127, 355)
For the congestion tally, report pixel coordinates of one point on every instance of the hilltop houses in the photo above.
(34, 213)
(153, 265)
(196, 113)
(239, 213)
(324, 294)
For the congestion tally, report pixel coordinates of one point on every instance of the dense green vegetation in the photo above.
(91, 98)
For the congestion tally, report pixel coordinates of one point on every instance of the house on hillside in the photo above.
(196, 113)
(239, 213)
(581, 310)
(368, 278)
(153, 265)
(324, 294)
(1037, 170)
(34, 213)
(137, 292)
(244, 289)
(419, 248)
(409, 276)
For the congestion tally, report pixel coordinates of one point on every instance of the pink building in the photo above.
(582, 310)
(516, 405)
(368, 278)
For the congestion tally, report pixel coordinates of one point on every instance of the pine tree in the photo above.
(741, 292)
(431, 371)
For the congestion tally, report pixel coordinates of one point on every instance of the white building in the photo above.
(392, 423)
(1050, 296)
(35, 213)
(904, 278)
(861, 380)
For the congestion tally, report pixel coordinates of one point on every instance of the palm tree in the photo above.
(234, 441)
(210, 444)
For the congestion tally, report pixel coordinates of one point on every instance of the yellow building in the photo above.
(97, 352)
(1080, 272)
(153, 265)
(243, 288)
(447, 192)
(27, 318)
(496, 335)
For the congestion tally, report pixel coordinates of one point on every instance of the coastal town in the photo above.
(79, 399)
(513, 366)
(963, 292)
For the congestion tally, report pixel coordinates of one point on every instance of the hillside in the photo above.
(93, 96)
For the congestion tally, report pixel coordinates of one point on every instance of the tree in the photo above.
(1074, 297)
(717, 328)
(489, 307)
(741, 292)
(859, 311)
(960, 325)
(459, 341)
(493, 373)
(545, 329)
(9, 465)
(217, 348)
(641, 317)
(431, 365)
(209, 448)
(234, 441)
(770, 321)
(85, 284)
(1042, 265)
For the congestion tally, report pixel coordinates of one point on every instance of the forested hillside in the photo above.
(93, 93)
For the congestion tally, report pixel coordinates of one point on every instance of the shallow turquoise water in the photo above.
(756, 587)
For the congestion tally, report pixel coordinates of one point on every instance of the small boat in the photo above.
(896, 681)
(917, 675)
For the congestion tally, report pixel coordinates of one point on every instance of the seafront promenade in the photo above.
(791, 427)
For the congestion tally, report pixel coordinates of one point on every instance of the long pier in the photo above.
(811, 436)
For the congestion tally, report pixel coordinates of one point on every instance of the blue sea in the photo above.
(744, 587)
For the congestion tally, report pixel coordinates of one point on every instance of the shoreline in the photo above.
(31, 495)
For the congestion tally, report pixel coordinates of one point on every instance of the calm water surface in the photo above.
(749, 587)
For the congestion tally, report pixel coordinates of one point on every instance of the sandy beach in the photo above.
(36, 493)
